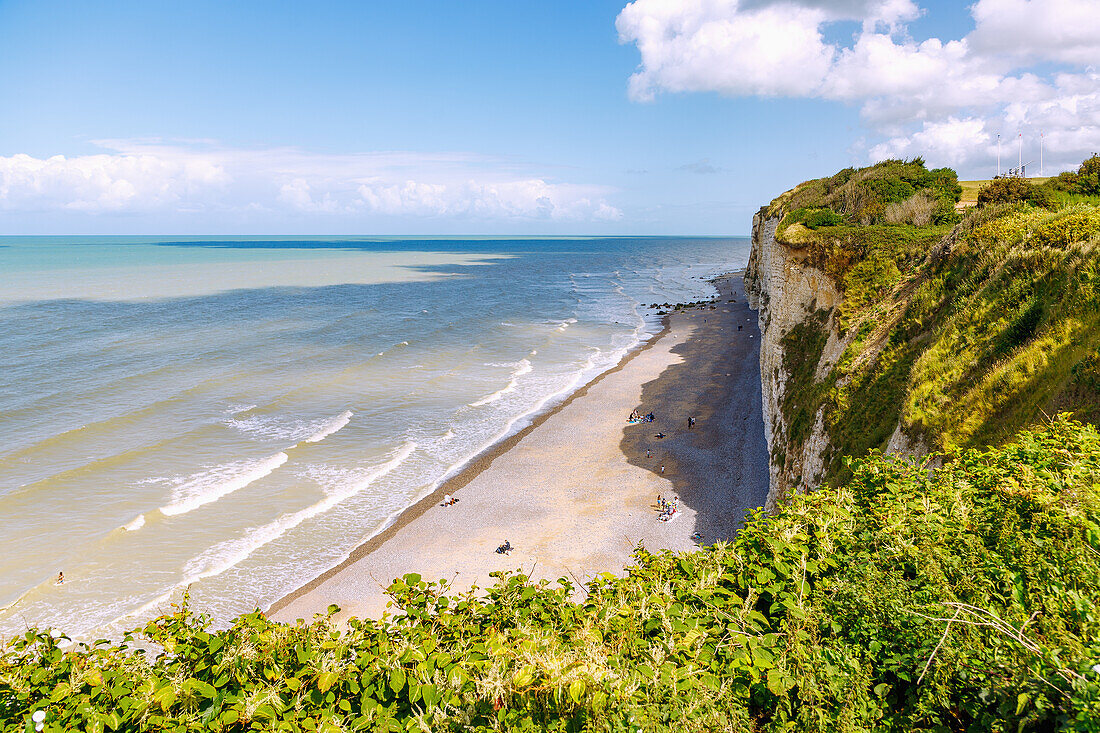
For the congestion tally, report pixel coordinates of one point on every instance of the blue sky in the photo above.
(499, 117)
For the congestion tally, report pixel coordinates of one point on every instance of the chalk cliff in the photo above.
(786, 290)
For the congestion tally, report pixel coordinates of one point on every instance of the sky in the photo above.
(576, 117)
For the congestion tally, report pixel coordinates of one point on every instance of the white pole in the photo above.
(1040, 155)
(1020, 164)
(998, 153)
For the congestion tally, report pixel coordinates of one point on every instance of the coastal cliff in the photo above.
(787, 291)
(891, 321)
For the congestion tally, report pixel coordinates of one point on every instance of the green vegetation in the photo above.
(958, 599)
(958, 335)
(802, 348)
(1015, 190)
(970, 188)
(1085, 182)
(864, 195)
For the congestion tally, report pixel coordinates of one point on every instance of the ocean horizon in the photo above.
(234, 415)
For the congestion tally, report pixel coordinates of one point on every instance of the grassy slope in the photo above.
(962, 599)
(962, 334)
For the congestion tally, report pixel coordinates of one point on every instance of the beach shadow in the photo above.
(719, 468)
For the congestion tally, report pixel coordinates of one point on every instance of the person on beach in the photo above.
(647, 452)
(662, 468)
(60, 578)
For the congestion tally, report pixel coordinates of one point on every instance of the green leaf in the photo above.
(1021, 702)
(325, 680)
(576, 691)
(524, 675)
(397, 680)
(165, 697)
(775, 682)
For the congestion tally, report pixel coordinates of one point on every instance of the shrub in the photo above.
(1074, 224)
(815, 218)
(1065, 181)
(1088, 177)
(917, 210)
(1014, 190)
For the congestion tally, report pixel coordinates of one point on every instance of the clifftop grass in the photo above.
(957, 599)
(961, 335)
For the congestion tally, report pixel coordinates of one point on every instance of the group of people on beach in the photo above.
(667, 509)
(636, 417)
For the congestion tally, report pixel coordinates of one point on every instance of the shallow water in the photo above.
(238, 415)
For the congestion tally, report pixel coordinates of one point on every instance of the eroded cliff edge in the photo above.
(786, 290)
(892, 322)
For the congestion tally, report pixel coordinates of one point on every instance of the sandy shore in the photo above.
(575, 492)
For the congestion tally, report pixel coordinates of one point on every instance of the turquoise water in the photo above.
(238, 415)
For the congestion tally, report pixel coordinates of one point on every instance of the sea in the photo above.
(231, 417)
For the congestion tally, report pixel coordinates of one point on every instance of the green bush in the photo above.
(1088, 177)
(1014, 190)
(862, 195)
(962, 598)
(814, 218)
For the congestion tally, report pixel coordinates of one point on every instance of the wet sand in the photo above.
(575, 492)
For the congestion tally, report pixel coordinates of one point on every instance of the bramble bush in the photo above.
(960, 598)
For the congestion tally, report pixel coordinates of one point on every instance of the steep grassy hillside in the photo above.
(958, 599)
(956, 330)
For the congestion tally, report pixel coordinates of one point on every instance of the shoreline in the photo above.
(585, 515)
(467, 473)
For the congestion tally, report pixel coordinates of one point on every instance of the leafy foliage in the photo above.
(1084, 182)
(962, 598)
(815, 218)
(1014, 190)
(862, 195)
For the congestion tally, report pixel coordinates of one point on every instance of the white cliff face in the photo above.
(785, 290)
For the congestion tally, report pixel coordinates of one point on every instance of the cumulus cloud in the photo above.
(104, 182)
(1026, 66)
(153, 176)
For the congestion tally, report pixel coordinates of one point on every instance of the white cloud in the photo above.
(715, 45)
(945, 94)
(1067, 31)
(104, 182)
(523, 199)
(152, 176)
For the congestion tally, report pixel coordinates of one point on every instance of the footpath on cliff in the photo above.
(576, 492)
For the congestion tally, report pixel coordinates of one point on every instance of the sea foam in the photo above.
(225, 555)
(330, 427)
(214, 483)
(523, 366)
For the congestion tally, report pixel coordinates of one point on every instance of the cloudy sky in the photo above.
(571, 117)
